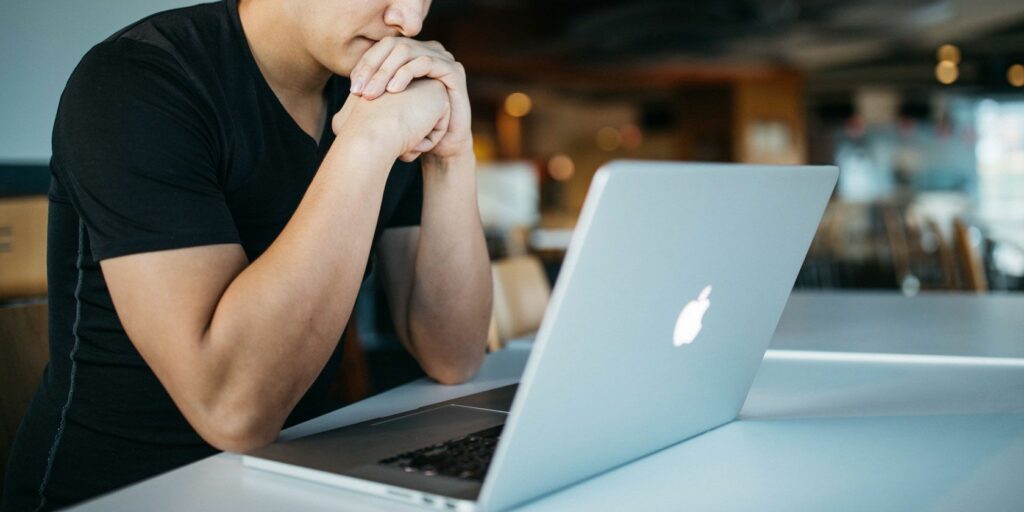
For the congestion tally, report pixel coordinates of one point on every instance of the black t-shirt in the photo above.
(167, 136)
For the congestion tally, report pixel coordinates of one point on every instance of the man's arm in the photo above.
(438, 276)
(235, 344)
(442, 312)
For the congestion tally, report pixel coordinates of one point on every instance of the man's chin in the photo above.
(343, 68)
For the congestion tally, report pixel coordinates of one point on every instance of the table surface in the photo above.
(945, 324)
(835, 433)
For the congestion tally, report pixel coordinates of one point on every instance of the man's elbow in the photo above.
(447, 357)
(451, 377)
(451, 373)
(238, 432)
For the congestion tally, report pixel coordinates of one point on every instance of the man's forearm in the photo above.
(450, 303)
(283, 315)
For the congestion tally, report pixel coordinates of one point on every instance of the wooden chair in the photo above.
(24, 352)
(969, 259)
(352, 383)
(521, 293)
(899, 247)
(517, 241)
(947, 260)
(931, 258)
(23, 246)
(493, 340)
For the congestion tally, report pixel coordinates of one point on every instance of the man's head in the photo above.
(337, 32)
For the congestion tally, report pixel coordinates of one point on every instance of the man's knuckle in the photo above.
(392, 65)
(364, 70)
(402, 49)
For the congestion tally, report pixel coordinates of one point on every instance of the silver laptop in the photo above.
(669, 294)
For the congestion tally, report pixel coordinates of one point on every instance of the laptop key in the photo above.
(467, 457)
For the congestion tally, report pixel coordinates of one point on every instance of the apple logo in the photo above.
(688, 325)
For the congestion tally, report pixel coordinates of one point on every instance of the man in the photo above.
(218, 196)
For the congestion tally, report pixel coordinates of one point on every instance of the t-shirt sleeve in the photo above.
(409, 206)
(134, 146)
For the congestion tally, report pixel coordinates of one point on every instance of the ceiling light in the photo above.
(946, 72)
(948, 52)
(1015, 75)
(631, 135)
(561, 167)
(518, 104)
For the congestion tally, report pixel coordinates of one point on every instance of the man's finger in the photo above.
(425, 145)
(370, 62)
(436, 134)
(399, 56)
(416, 68)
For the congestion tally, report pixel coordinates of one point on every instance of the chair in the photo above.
(947, 260)
(517, 239)
(494, 343)
(24, 352)
(352, 383)
(521, 293)
(899, 247)
(23, 246)
(969, 259)
(931, 258)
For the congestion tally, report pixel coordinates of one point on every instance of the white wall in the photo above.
(41, 41)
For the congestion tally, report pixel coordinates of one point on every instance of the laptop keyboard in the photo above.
(466, 457)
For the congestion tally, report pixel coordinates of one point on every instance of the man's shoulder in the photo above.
(156, 72)
(181, 31)
(183, 41)
(116, 71)
(176, 49)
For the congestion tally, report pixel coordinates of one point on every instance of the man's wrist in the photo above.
(465, 162)
(445, 176)
(376, 136)
(361, 152)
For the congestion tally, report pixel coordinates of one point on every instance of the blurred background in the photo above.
(919, 102)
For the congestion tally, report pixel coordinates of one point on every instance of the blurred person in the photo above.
(223, 178)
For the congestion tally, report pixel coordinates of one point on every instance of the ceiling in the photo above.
(535, 38)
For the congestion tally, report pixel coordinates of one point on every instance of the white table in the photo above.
(831, 434)
(946, 324)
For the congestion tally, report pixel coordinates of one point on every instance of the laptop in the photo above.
(670, 291)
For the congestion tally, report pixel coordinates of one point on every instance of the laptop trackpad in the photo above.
(423, 428)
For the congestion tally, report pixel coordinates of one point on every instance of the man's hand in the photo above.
(394, 62)
(419, 118)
